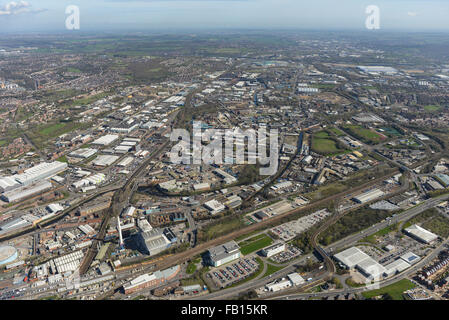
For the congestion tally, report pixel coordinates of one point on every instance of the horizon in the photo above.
(49, 16)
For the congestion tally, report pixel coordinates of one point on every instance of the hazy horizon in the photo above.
(48, 16)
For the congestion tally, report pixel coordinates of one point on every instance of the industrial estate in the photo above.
(93, 207)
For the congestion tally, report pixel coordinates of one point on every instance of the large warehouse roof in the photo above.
(354, 257)
(351, 257)
(421, 233)
(106, 140)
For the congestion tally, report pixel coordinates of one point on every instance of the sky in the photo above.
(28, 16)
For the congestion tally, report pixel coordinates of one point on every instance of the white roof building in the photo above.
(421, 234)
(104, 160)
(356, 258)
(106, 140)
(214, 206)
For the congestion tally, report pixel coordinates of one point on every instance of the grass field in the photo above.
(271, 269)
(255, 244)
(395, 290)
(432, 108)
(380, 233)
(337, 132)
(191, 267)
(323, 144)
(364, 134)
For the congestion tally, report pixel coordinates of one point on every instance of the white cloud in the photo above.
(412, 14)
(18, 7)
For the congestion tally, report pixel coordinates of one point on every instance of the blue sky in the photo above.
(156, 15)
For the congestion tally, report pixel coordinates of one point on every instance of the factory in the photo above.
(421, 234)
(104, 160)
(377, 69)
(91, 180)
(106, 140)
(150, 280)
(228, 179)
(39, 172)
(83, 153)
(125, 162)
(151, 241)
(223, 254)
(369, 196)
(26, 191)
(214, 206)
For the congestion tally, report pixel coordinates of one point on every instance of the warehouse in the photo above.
(42, 171)
(125, 162)
(223, 254)
(356, 258)
(104, 160)
(369, 196)
(83, 153)
(282, 185)
(201, 186)
(410, 258)
(421, 234)
(106, 140)
(233, 201)
(214, 206)
(26, 192)
(8, 183)
(153, 241)
(395, 267)
(150, 280)
(228, 179)
(278, 286)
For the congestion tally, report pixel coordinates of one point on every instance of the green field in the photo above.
(395, 290)
(271, 269)
(380, 233)
(366, 135)
(337, 132)
(432, 108)
(322, 143)
(258, 243)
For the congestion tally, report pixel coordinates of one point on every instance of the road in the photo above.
(350, 240)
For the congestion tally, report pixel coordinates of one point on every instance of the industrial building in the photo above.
(41, 171)
(421, 234)
(354, 258)
(83, 153)
(153, 241)
(104, 160)
(151, 280)
(26, 191)
(214, 206)
(273, 250)
(228, 179)
(377, 69)
(223, 254)
(395, 267)
(106, 140)
(369, 196)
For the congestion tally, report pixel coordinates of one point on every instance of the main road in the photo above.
(350, 240)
